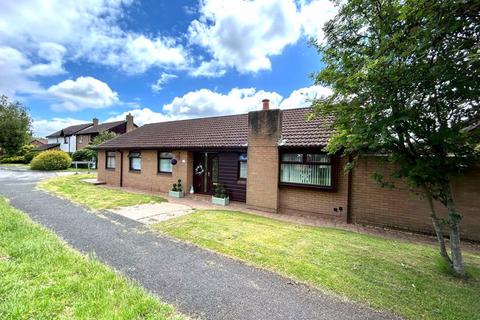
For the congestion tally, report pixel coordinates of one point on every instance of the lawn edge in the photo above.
(322, 290)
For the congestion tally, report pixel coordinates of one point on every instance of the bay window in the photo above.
(135, 161)
(307, 169)
(165, 162)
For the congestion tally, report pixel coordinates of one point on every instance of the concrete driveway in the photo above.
(198, 282)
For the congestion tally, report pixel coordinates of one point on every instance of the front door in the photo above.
(205, 174)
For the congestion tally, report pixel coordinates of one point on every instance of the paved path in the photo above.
(198, 282)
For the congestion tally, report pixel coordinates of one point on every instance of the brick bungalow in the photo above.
(273, 161)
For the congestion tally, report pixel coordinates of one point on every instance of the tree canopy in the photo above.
(15, 126)
(103, 137)
(406, 83)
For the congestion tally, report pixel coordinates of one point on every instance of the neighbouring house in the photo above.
(79, 136)
(36, 142)
(85, 136)
(47, 146)
(273, 160)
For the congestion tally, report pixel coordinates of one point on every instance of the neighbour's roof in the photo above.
(68, 131)
(47, 146)
(222, 132)
(41, 140)
(101, 127)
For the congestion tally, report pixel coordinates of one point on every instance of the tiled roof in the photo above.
(101, 127)
(68, 131)
(297, 131)
(41, 140)
(47, 146)
(222, 132)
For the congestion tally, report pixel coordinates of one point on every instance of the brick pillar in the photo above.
(130, 124)
(264, 132)
(184, 168)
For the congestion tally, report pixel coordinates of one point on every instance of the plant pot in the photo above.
(176, 194)
(221, 201)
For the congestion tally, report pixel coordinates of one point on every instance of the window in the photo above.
(242, 166)
(110, 163)
(65, 140)
(310, 169)
(135, 161)
(80, 139)
(165, 162)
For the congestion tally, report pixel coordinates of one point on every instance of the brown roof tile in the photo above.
(221, 132)
(68, 131)
(101, 127)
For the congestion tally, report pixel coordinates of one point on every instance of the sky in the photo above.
(69, 61)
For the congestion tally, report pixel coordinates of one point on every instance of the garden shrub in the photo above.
(12, 159)
(51, 160)
(84, 155)
(29, 156)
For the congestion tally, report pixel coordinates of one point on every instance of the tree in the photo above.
(103, 137)
(15, 126)
(406, 83)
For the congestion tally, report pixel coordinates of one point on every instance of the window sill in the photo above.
(135, 171)
(242, 181)
(110, 169)
(160, 173)
(308, 186)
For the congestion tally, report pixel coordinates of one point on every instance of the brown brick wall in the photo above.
(262, 177)
(148, 178)
(85, 142)
(316, 201)
(374, 205)
(111, 177)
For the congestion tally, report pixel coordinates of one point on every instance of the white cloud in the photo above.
(82, 93)
(42, 127)
(314, 15)
(164, 78)
(244, 34)
(205, 103)
(88, 30)
(143, 116)
(14, 78)
(209, 69)
(303, 97)
(52, 53)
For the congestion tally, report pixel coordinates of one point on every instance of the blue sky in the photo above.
(69, 61)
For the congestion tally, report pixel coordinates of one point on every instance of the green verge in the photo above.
(42, 278)
(404, 278)
(95, 197)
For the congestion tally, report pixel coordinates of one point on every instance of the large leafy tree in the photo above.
(406, 83)
(15, 125)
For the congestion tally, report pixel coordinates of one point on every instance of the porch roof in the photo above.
(222, 132)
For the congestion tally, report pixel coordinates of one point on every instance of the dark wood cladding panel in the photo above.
(120, 129)
(228, 176)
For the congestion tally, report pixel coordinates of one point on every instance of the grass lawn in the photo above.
(42, 278)
(73, 188)
(407, 279)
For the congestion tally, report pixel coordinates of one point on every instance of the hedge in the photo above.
(12, 159)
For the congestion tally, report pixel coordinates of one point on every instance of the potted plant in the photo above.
(177, 190)
(220, 196)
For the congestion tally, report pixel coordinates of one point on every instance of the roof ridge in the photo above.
(223, 116)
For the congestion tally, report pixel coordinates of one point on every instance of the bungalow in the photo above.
(272, 160)
(79, 136)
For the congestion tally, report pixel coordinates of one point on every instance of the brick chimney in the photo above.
(266, 104)
(95, 121)
(264, 132)
(130, 124)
